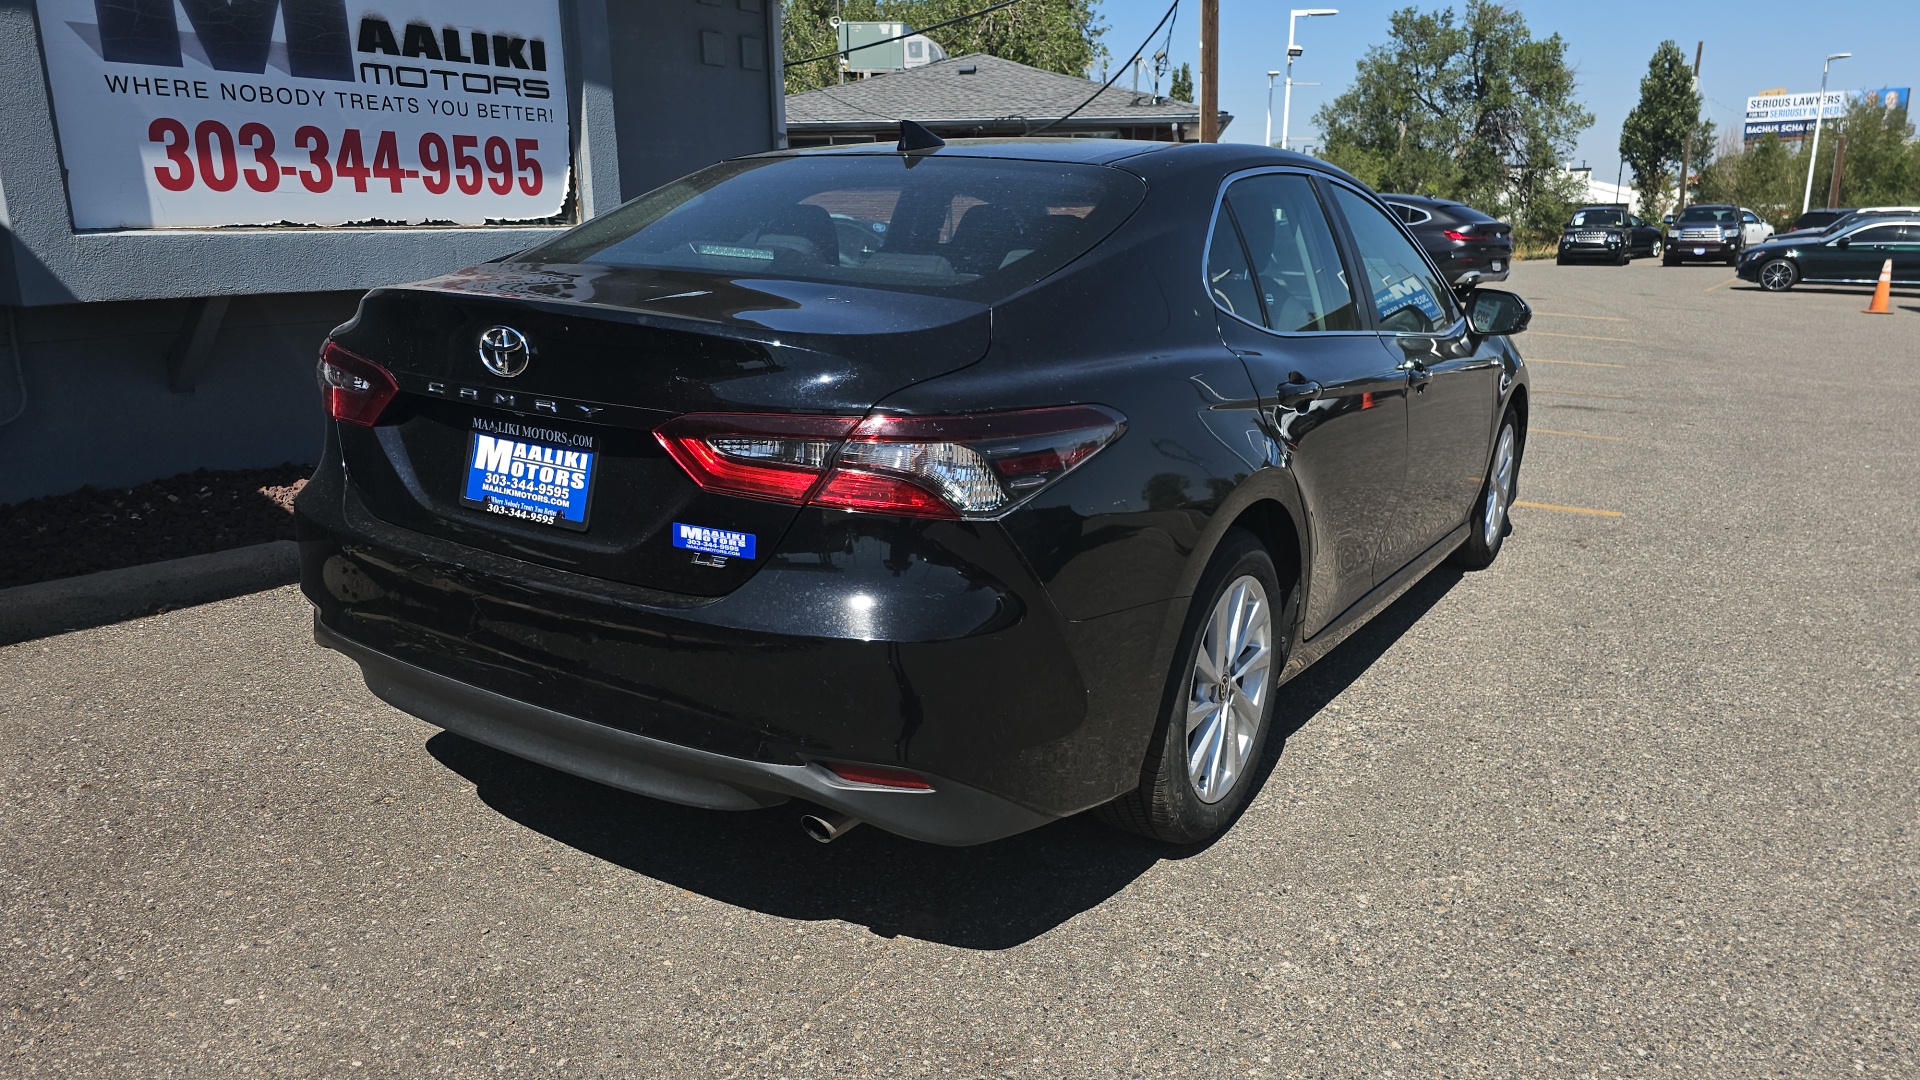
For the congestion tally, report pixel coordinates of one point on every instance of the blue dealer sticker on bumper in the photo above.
(733, 545)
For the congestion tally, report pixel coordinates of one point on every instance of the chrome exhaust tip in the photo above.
(828, 825)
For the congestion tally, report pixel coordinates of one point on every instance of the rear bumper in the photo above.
(928, 647)
(951, 813)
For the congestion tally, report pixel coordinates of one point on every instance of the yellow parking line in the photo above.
(1569, 509)
(1580, 393)
(1596, 318)
(1717, 284)
(1582, 337)
(1576, 363)
(1573, 434)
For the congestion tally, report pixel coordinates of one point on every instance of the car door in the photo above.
(1453, 377)
(1640, 238)
(1906, 255)
(1336, 405)
(1854, 256)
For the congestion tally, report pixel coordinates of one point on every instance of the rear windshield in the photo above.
(1591, 218)
(1710, 213)
(972, 228)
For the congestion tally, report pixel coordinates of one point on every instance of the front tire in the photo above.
(1219, 701)
(1778, 275)
(1489, 525)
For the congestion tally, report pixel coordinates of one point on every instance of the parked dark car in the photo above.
(1708, 231)
(1607, 233)
(1467, 245)
(1851, 218)
(1853, 256)
(1817, 219)
(1030, 510)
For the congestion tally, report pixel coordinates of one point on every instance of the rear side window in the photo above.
(1295, 268)
(973, 228)
(1406, 291)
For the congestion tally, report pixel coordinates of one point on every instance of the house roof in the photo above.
(995, 91)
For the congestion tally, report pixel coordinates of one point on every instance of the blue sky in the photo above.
(1750, 47)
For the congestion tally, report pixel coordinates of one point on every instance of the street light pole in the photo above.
(1271, 75)
(1819, 110)
(1293, 53)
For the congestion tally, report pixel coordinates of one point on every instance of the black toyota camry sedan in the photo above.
(1031, 505)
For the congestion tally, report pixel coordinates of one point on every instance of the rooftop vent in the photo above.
(969, 69)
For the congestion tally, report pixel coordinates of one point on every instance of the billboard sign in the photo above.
(1791, 116)
(192, 113)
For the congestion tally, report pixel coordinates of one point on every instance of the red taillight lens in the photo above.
(880, 776)
(921, 466)
(357, 389)
(759, 455)
(1455, 234)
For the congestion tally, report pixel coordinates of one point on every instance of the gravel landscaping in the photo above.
(190, 514)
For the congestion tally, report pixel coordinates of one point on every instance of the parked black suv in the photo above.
(1707, 231)
(1607, 233)
(1818, 219)
(1467, 245)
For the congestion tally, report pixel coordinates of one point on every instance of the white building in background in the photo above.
(1600, 192)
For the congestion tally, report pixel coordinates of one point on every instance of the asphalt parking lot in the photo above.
(1639, 800)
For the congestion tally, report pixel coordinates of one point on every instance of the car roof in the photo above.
(1215, 157)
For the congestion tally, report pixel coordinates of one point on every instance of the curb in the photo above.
(109, 596)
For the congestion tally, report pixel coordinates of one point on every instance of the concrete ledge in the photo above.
(77, 603)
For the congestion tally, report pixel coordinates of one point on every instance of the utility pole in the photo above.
(1839, 163)
(1686, 153)
(1209, 71)
(1819, 111)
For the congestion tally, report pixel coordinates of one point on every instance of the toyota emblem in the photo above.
(504, 351)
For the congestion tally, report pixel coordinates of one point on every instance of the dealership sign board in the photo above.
(177, 113)
(1791, 116)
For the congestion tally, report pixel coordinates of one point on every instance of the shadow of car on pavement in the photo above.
(994, 896)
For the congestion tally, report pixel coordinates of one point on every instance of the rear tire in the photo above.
(1658, 250)
(1218, 706)
(1489, 525)
(1778, 275)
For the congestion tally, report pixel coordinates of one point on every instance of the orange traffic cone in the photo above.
(1882, 291)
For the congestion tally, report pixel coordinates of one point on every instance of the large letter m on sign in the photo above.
(235, 33)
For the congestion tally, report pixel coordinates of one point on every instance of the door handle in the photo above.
(1294, 394)
(1417, 373)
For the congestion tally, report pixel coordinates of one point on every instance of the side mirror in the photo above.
(1494, 311)
(1843, 241)
(1668, 219)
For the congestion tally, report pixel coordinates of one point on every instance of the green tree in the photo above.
(1053, 35)
(1655, 133)
(1881, 166)
(1470, 107)
(1762, 177)
(1182, 89)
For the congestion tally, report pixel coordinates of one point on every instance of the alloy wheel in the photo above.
(1657, 249)
(1776, 275)
(1227, 695)
(1500, 490)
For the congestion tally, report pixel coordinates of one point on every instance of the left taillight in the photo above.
(1456, 234)
(970, 466)
(357, 389)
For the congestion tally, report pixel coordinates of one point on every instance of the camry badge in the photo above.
(504, 351)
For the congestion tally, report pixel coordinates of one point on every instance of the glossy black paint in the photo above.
(1484, 255)
(1025, 657)
(1852, 254)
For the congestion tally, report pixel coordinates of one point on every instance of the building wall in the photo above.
(87, 319)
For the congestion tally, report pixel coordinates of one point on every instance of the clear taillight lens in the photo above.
(977, 465)
(357, 389)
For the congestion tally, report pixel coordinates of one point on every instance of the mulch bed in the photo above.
(190, 514)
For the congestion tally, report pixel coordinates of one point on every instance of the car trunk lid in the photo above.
(609, 354)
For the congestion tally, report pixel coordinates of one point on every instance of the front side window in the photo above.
(1879, 234)
(973, 228)
(1406, 291)
(1292, 262)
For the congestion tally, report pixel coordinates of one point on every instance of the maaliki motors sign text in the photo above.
(308, 112)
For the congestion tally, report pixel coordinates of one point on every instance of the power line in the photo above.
(903, 37)
(1116, 75)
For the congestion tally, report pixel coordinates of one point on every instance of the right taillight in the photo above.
(357, 389)
(974, 465)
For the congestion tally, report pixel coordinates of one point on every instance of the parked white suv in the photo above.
(1753, 228)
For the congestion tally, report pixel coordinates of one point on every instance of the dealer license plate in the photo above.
(1498, 266)
(1699, 251)
(530, 472)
